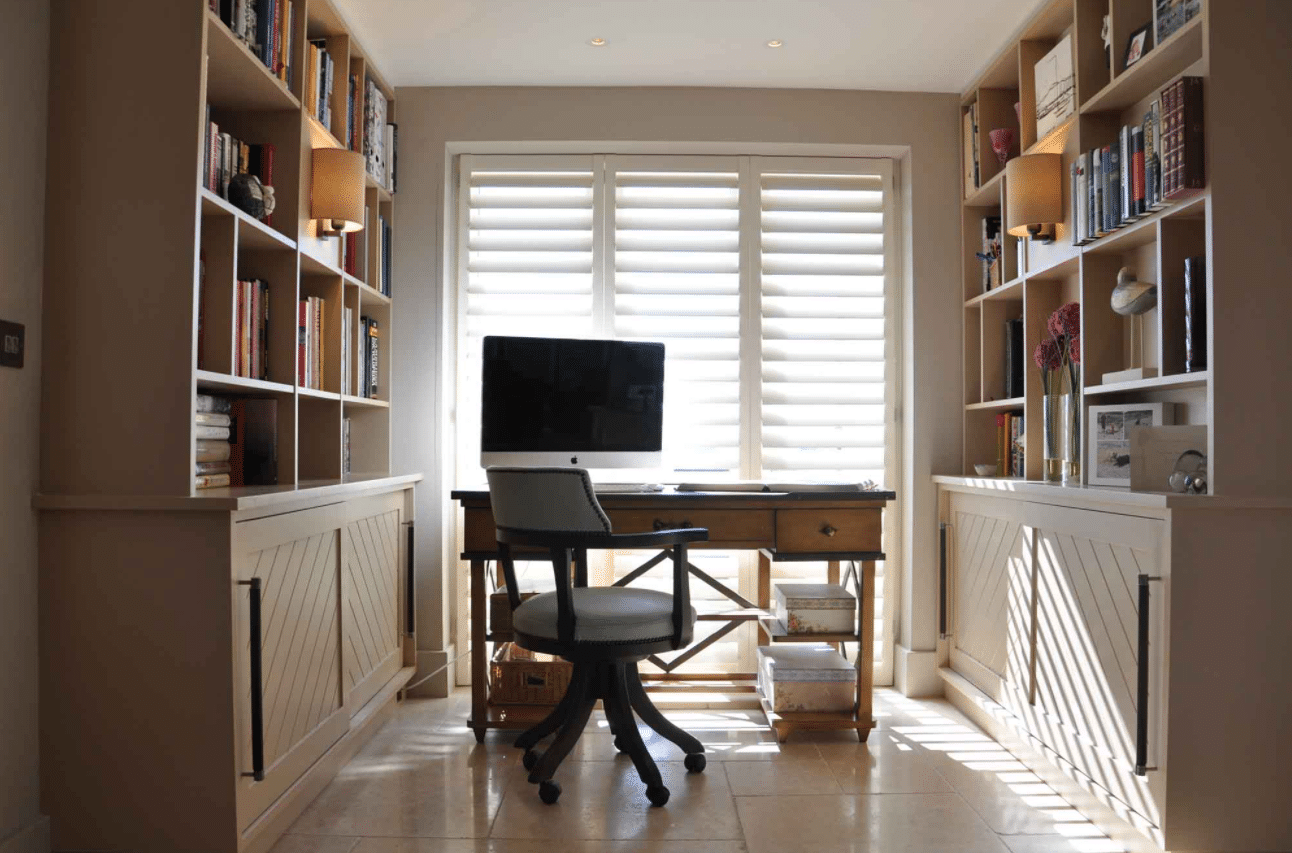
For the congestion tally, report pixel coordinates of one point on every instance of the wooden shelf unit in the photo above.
(1040, 277)
(146, 386)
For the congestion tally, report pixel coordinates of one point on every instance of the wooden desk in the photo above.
(802, 526)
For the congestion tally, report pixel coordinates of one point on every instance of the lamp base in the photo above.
(1041, 233)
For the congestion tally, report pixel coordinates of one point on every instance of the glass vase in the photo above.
(1054, 417)
(1072, 431)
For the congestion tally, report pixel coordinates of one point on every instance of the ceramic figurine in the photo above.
(249, 195)
(1131, 297)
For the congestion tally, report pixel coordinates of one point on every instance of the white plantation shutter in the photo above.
(768, 279)
(826, 360)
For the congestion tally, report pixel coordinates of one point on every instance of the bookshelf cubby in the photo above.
(1036, 278)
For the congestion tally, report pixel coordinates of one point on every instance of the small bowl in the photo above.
(985, 470)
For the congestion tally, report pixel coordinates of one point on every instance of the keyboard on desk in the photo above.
(628, 488)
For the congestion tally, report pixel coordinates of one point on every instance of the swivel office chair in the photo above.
(603, 631)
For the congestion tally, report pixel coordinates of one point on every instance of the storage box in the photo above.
(521, 677)
(500, 609)
(815, 608)
(806, 677)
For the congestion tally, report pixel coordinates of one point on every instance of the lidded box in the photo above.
(815, 608)
(806, 677)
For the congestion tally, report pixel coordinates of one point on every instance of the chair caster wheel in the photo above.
(696, 762)
(657, 794)
(549, 792)
(529, 759)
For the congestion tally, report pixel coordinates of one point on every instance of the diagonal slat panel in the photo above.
(372, 592)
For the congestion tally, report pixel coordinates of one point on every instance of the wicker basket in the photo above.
(500, 610)
(520, 677)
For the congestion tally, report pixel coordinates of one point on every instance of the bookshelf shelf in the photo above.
(236, 79)
(987, 195)
(251, 232)
(313, 265)
(365, 402)
(1058, 270)
(1008, 291)
(317, 394)
(367, 296)
(222, 382)
(382, 193)
(1011, 403)
(1158, 67)
(1156, 383)
(320, 136)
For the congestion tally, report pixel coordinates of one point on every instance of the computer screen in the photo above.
(562, 401)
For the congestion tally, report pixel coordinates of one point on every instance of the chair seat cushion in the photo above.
(603, 614)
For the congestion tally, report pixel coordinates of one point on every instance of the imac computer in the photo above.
(576, 403)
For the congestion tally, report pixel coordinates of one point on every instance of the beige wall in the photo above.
(922, 128)
(24, 49)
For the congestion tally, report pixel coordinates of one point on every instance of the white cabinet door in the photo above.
(373, 558)
(992, 597)
(297, 559)
(1087, 569)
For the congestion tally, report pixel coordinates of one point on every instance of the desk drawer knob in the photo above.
(829, 531)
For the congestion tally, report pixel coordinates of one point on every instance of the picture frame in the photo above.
(1155, 450)
(1171, 15)
(1109, 456)
(1056, 91)
(1137, 45)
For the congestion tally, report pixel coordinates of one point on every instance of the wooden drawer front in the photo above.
(747, 528)
(808, 531)
(479, 533)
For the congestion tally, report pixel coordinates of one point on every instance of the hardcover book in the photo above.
(1014, 361)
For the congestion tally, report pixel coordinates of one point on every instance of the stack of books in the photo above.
(309, 343)
(251, 330)
(225, 156)
(1009, 447)
(211, 428)
(266, 27)
(1148, 166)
(319, 71)
(370, 357)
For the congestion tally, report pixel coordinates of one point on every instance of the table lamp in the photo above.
(1033, 196)
(336, 196)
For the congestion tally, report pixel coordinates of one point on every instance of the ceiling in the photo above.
(903, 45)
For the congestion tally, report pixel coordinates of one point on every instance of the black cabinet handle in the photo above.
(1141, 681)
(410, 605)
(662, 524)
(942, 578)
(257, 696)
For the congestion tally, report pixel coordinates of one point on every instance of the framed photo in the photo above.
(1108, 439)
(1170, 15)
(1155, 450)
(1137, 45)
(1056, 92)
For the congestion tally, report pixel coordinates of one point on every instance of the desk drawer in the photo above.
(727, 528)
(817, 531)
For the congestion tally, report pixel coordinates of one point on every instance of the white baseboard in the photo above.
(915, 674)
(32, 838)
(439, 685)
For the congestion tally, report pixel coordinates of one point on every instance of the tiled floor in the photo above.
(927, 781)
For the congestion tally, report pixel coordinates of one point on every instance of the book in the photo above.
(967, 141)
(210, 481)
(208, 404)
(1097, 184)
(253, 446)
(212, 451)
(345, 447)
(1125, 206)
(374, 357)
(212, 432)
(1083, 197)
(1183, 139)
(1195, 314)
(302, 344)
(1112, 188)
(210, 419)
(213, 467)
(1153, 155)
(347, 324)
(1001, 421)
(1015, 364)
(1074, 181)
(1138, 203)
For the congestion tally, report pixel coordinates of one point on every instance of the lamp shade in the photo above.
(336, 196)
(1033, 192)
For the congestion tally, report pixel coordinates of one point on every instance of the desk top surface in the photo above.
(672, 495)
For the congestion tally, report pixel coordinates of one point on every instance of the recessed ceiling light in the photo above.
(597, 42)
(775, 43)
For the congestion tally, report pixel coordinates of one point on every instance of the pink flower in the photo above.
(1065, 321)
(1074, 349)
(1047, 355)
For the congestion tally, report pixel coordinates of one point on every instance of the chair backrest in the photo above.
(554, 500)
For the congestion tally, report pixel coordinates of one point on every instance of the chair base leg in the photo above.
(651, 716)
(531, 736)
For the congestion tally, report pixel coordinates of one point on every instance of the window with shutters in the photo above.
(770, 282)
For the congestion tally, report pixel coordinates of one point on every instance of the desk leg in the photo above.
(832, 576)
(764, 591)
(479, 653)
(866, 652)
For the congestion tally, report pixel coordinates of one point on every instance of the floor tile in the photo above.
(891, 823)
(605, 799)
(512, 845)
(783, 776)
(314, 844)
(1008, 808)
(882, 767)
(1038, 844)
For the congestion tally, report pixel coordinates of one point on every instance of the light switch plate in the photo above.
(13, 341)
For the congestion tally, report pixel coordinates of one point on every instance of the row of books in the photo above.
(971, 148)
(224, 156)
(379, 137)
(1147, 167)
(319, 77)
(236, 442)
(352, 111)
(384, 233)
(267, 27)
(350, 250)
(1010, 461)
(309, 343)
(251, 330)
